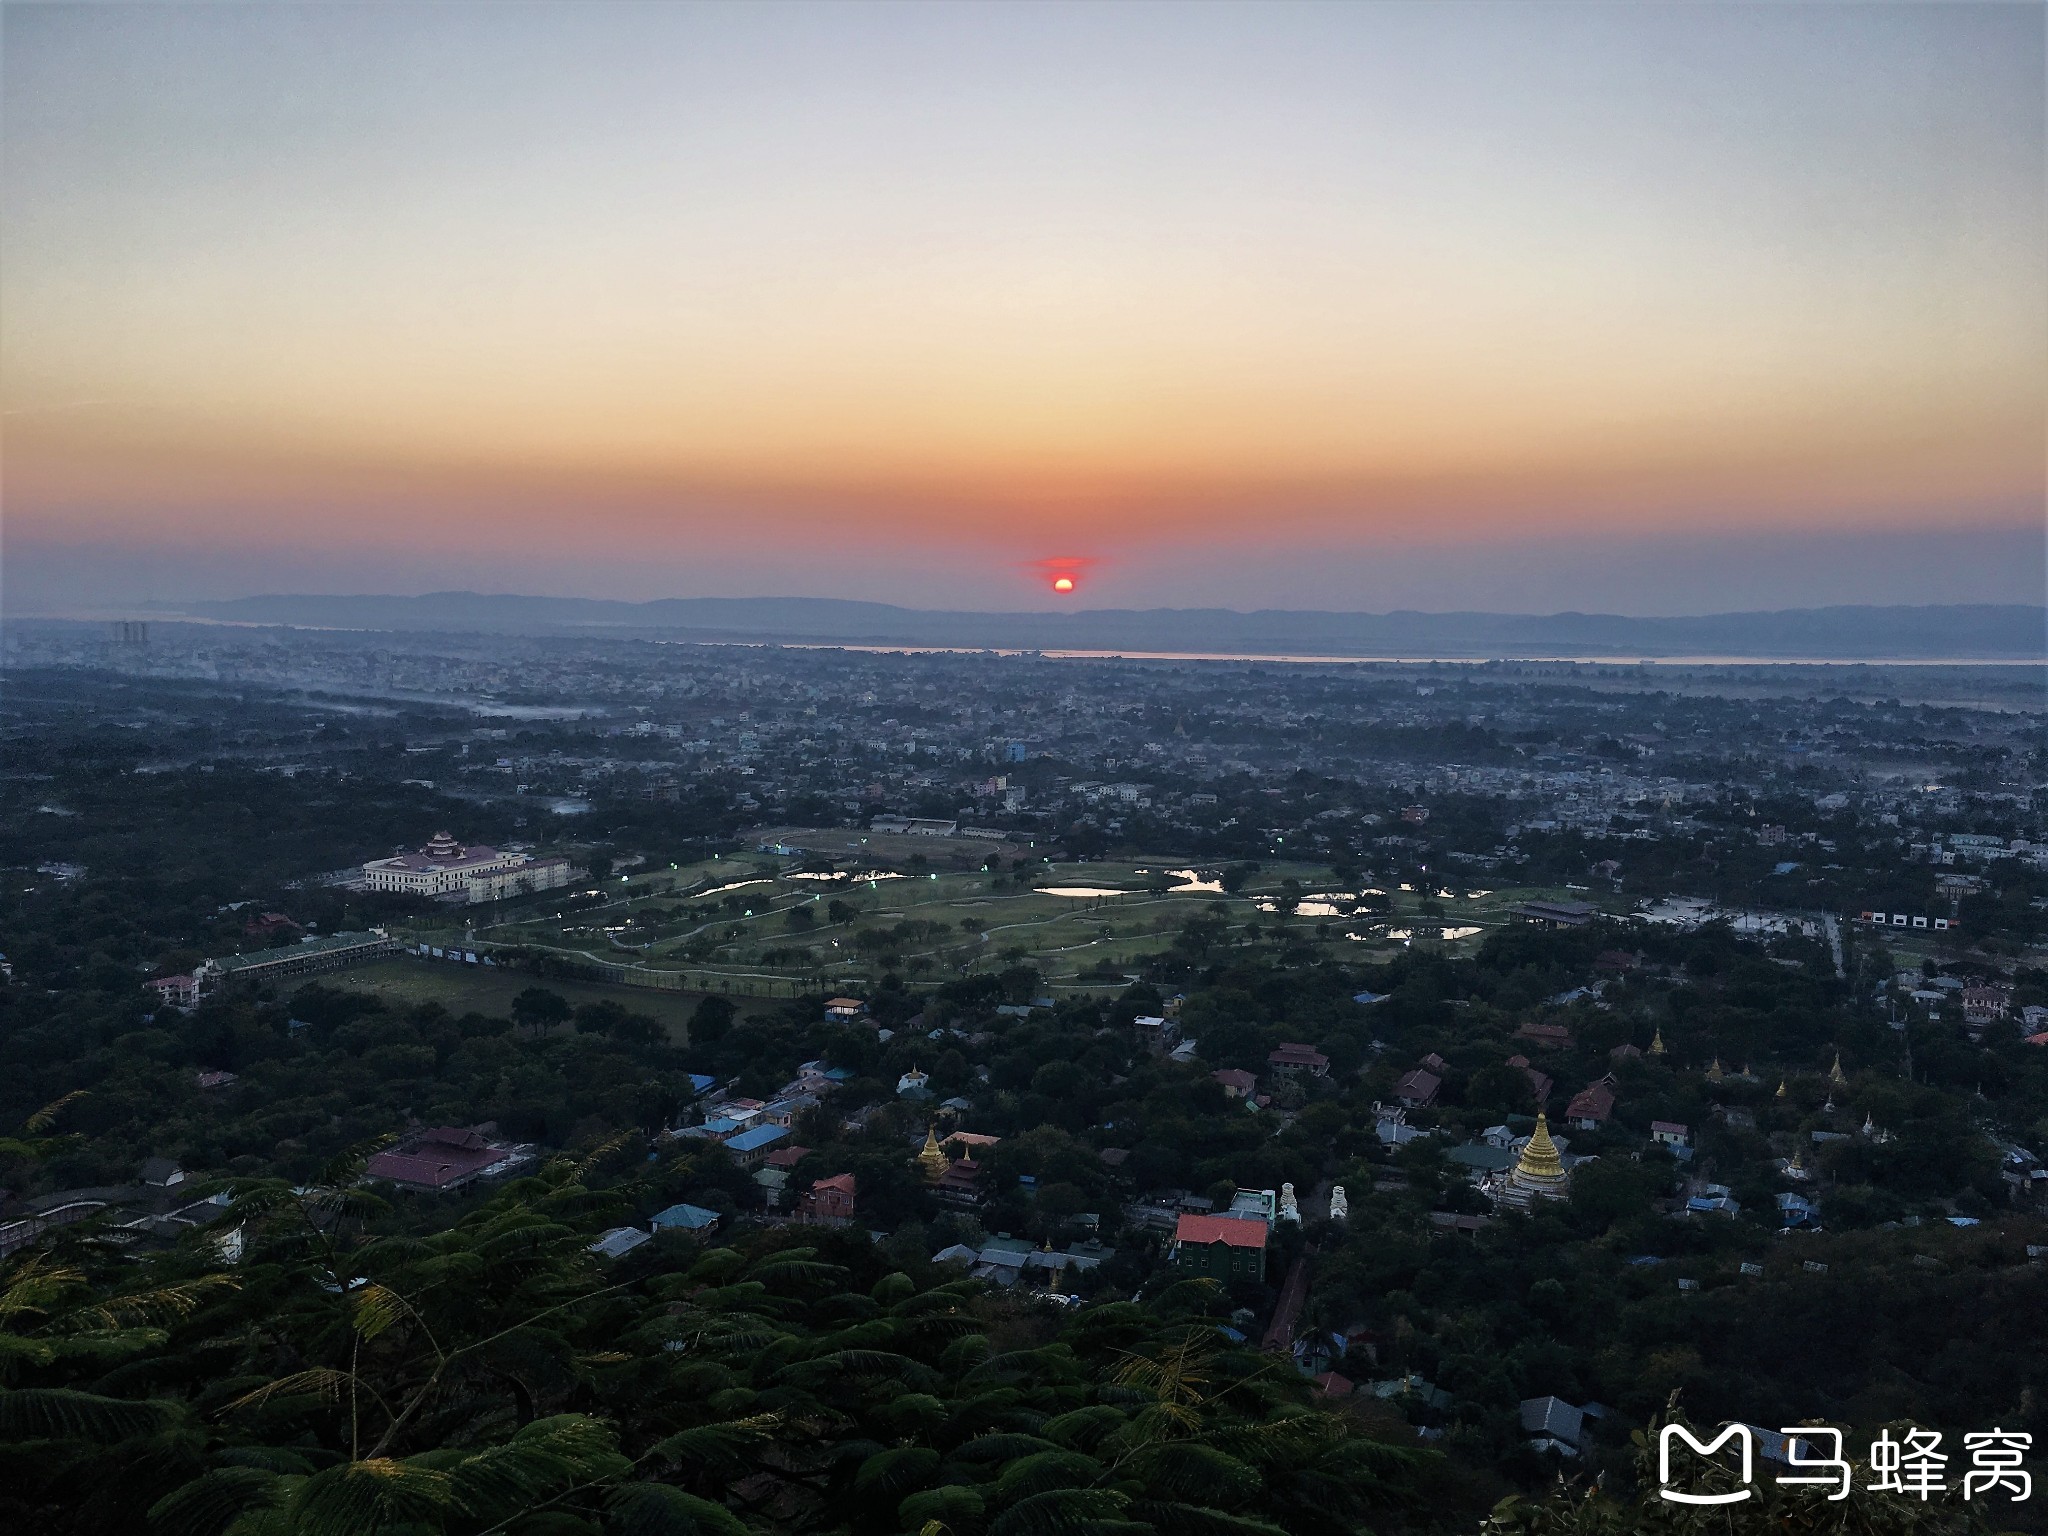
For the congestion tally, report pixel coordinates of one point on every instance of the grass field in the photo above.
(466, 988)
(726, 924)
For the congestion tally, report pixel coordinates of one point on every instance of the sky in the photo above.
(1526, 307)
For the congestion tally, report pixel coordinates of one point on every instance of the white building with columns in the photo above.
(448, 869)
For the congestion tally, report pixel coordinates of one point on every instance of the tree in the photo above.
(1235, 876)
(711, 1021)
(540, 1010)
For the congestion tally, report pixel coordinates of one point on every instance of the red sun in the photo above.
(1062, 573)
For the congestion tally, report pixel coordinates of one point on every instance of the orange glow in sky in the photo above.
(751, 294)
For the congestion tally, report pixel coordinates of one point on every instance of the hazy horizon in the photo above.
(1649, 310)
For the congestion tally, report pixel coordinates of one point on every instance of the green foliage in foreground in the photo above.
(495, 1377)
(339, 1378)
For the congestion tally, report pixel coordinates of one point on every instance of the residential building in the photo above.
(1156, 1034)
(1554, 1036)
(1540, 1083)
(1591, 1107)
(1221, 1247)
(829, 1202)
(1552, 1424)
(618, 1242)
(751, 1146)
(1291, 1062)
(176, 991)
(1236, 1082)
(1418, 1088)
(694, 1219)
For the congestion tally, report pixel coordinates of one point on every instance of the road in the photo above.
(1279, 1337)
(1833, 925)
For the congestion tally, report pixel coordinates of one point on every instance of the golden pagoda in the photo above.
(1714, 1072)
(932, 1159)
(1835, 1072)
(1538, 1173)
(1657, 1041)
(1781, 1089)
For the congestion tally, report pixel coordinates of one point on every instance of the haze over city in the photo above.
(1654, 310)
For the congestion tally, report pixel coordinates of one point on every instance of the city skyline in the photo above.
(1685, 309)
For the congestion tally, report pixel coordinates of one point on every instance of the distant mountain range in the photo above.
(1982, 631)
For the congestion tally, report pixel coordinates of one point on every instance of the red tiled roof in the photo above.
(1595, 1101)
(1545, 1034)
(1233, 1230)
(433, 1164)
(1418, 1085)
(1294, 1054)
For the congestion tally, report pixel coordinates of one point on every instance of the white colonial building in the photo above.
(449, 870)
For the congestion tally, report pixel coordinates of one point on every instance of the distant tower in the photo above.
(131, 634)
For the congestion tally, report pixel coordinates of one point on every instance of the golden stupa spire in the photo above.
(1539, 1159)
(1657, 1041)
(1714, 1072)
(1835, 1072)
(1781, 1089)
(932, 1159)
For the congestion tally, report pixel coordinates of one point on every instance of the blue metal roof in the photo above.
(691, 1218)
(760, 1136)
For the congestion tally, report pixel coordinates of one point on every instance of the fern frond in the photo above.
(39, 1122)
(360, 1497)
(208, 1504)
(321, 1382)
(717, 1448)
(1062, 1512)
(655, 1509)
(59, 1413)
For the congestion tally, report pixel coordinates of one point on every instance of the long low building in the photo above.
(309, 957)
(447, 869)
(447, 1157)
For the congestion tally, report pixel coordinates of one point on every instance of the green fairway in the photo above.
(474, 988)
(755, 925)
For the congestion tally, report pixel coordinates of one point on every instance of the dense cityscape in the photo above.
(1511, 1054)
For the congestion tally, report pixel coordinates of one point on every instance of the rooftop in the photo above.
(1232, 1230)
